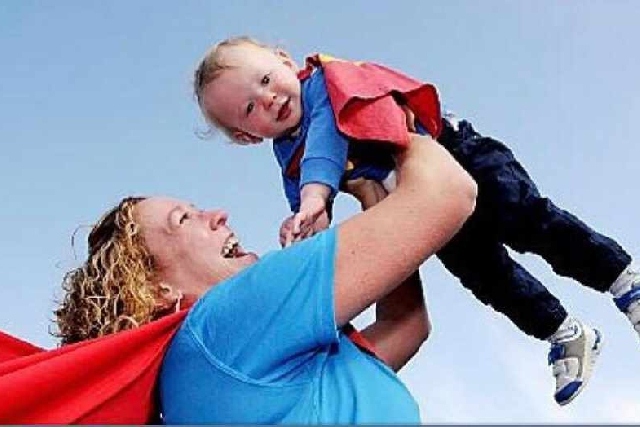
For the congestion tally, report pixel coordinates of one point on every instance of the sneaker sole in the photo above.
(594, 340)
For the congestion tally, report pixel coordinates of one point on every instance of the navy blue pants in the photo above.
(510, 211)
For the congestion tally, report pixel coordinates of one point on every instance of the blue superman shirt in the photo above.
(317, 152)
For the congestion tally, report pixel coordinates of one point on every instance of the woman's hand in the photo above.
(368, 192)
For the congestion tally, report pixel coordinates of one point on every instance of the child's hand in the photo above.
(304, 222)
(286, 235)
(285, 231)
(312, 216)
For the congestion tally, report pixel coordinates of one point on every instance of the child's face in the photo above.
(258, 96)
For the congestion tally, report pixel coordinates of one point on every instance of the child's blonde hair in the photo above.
(209, 68)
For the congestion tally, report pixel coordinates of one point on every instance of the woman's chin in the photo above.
(245, 260)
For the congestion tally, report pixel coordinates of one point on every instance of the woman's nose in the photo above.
(217, 218)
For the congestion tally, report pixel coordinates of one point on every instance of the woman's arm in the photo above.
(402, 320)
(402, 323)
(378, 249)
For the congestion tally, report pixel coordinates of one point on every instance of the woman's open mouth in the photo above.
(231, 248)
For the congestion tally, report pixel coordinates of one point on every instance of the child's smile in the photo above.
(257, 96)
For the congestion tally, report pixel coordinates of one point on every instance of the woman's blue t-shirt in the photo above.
(263, 347)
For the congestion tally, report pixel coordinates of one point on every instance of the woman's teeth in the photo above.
(230, 248)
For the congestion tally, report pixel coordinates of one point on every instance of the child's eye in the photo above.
(266, 79)
(249, 108)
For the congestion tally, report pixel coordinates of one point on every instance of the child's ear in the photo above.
(244, 137)
(285, 58)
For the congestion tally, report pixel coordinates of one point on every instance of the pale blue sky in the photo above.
(95, 104)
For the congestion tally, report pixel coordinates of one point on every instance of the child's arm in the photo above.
(321, 166)
(314, 199)
(310, 207)
(314, 196)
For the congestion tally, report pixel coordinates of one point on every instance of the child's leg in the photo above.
(483, 265)
(510, 205)
(509, 201)
(485, 268)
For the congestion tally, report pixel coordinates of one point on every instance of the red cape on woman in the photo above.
(107, 380)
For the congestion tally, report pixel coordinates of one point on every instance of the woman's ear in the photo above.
(244, 137)
(169, 299)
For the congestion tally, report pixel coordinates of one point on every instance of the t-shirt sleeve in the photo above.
(325, 154)
(270, 318)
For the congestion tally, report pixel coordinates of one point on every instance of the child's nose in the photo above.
(267, 99)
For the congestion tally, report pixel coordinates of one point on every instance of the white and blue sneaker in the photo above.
(626, 294)
(572, 362)
(629, 304)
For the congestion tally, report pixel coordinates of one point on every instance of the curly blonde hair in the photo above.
(114, 289)
(210, 68)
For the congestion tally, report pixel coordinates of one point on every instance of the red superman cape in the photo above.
(108, 380)
(365, 96)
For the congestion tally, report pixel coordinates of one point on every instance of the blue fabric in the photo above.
(325, 149)
(262, 347)
(624, 301)
(511, 211)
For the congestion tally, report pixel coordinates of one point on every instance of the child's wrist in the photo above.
(316, 190)
(315, 196)
(315, 202)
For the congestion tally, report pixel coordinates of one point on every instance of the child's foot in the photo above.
(629, 304)
(573, 362)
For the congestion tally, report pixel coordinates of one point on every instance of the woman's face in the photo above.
(192, 249)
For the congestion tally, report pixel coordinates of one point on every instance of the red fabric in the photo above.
(362, 97)
(109, 380)
(359, 340)
(11, 347)
(293, 169)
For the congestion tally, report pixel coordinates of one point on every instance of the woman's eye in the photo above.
(266, 79)
(249, 108)
(185, 216)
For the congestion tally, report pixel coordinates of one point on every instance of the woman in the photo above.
(263, 341)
